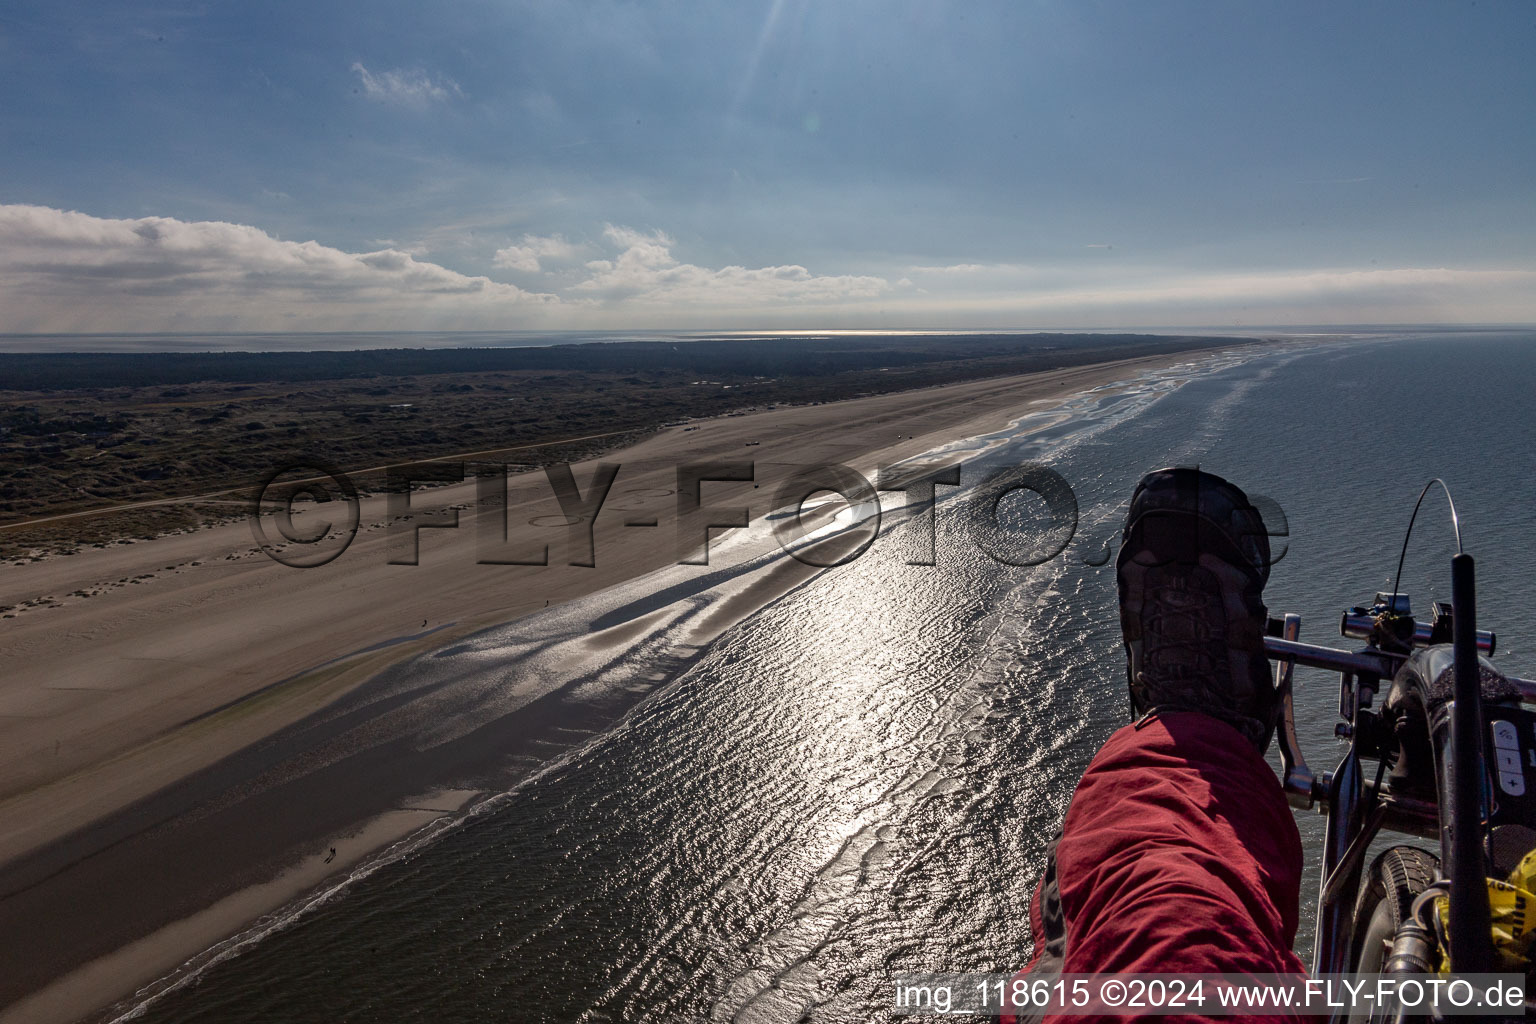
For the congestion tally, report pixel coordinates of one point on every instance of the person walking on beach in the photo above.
(1179, 854)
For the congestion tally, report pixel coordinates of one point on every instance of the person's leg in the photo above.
(1178, 854)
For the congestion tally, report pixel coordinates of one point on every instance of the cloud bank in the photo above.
(646, 273)
(1108, 296)
(70, 272)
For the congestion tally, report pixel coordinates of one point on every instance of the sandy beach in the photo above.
(143, 811)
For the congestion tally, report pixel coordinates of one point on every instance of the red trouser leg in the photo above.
(1178, 855)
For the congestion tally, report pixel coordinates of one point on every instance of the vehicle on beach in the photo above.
(1454, 746)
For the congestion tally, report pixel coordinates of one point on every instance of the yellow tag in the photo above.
(1524, 875)
(1510, 913)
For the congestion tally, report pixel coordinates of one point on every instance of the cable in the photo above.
(1455, 525)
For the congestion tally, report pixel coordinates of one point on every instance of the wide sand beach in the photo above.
(157, 710)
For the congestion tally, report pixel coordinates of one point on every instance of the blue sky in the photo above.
(760, 165)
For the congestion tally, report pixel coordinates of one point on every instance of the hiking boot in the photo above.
(1193, 562)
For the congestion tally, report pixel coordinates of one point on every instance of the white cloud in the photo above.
(66, 271)
(1409, 285)
(960, 268)
(410, 88)
(1099, 296)
(527, 256)
(970, 277)
(71, 272)
(645, 272)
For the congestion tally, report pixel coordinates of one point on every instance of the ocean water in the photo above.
(858, 780)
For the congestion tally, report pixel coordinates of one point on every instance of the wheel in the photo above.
(1394, 881)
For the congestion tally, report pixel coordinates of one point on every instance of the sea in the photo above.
(858, 780)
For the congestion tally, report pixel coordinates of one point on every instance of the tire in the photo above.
(1394, 881)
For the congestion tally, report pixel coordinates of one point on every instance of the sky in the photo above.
(764, 164)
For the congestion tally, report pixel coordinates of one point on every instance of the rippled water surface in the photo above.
(858, 780)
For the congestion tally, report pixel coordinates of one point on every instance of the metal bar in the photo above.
(1368, 662)
(1471, 950)
(1297, 778)
(1334, 917)
(1360, 625)
(1374, 662)
(1352, 858)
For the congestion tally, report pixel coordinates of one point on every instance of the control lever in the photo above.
(1299, 782)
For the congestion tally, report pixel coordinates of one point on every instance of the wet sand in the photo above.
(148, 730)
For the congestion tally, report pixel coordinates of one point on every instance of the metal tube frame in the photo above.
(1345, 794)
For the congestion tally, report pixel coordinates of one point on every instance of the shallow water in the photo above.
(858, 780)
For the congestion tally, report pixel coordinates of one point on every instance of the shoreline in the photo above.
(63, 815)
